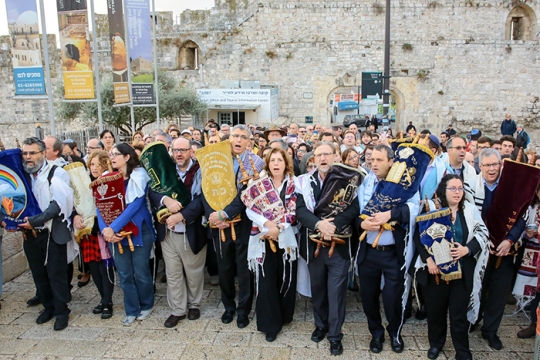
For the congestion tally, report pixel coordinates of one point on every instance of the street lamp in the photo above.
(386, 76)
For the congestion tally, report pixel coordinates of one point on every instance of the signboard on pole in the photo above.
(371, 84)
(25, 47)
(75, 49)
(140, 51)
(117, 36)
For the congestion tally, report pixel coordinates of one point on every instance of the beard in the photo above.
(34, 168)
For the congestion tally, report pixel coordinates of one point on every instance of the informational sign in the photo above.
(25, 47)
(371, 84)
(117, 36)
(75, 49)
(140, 51)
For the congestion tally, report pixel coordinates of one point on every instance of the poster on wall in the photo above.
(25, 44)
(117, 36)
(75, 49)
(140, 51)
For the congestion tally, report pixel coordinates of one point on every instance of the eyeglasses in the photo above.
(243, 137)
(489, 166)
(311, 166)
(114, 154)
(459, 148)
(324, 154)
(31, 153)
(182, 151)
(301, 151)
(454, 189)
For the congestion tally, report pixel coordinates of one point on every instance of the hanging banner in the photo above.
(25, 47)
(140, 51)
(117, 36)
(75, 46)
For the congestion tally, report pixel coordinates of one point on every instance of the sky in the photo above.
(100, 6)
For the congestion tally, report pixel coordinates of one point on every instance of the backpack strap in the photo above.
(51, 174)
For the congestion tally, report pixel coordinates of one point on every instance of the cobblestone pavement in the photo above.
(89, 337)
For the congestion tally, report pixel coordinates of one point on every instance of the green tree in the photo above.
(174, 101)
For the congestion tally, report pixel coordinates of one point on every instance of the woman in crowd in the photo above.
(470, 248)
(527, 277)
(133, 266)
(262, 142)
(107, 138)
(196, 135)
(94, 248)
(350, 157)
(310, 164)
(301, 151)
(137, 137)
(275, 271)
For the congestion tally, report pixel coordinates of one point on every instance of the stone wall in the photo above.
(451, 61)
(14, 261)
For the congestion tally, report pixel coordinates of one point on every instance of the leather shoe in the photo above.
(44, 317)
(335, 347)
(107, 311)
(318, 334)
(242, 321)
(376, 344)
(193, 314)
(493, 341)
(227, 317)
(173, 320)
(98, 309)
(421, 313)
(33, 301)
(433, 353)
(61, 322)
(528, 332)
(270, 337)
(397, 344)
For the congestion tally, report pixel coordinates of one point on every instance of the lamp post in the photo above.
(386, 76)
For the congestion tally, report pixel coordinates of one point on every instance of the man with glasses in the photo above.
(454, 159)
(47, 233)
(483, 142)
(232, 254)
(328, 274)
(497, 282)
(183, 253)
(91, 146)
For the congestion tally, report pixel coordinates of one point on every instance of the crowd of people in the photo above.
(274, 258)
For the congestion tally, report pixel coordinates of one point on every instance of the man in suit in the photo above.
(232, 254)
(328, 275)
(184, 243)
(386, 259)
(47, 233)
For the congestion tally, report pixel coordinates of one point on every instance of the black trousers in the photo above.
(448, 299)
(376, 264)
(496, 286)
(211, 261)
(231, 257)
(276, 295)
(50, 279)
(104, 279)
(328, 277)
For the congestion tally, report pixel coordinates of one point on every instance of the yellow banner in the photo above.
(121, 93)
(218, 178)
(79, 84)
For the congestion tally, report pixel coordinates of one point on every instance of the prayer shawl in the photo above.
(525, 288)
(286, 240)
(303, 188)
(364, 195)
(476, 229)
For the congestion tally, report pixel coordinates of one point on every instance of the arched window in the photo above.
(189, 56)
(521, 23)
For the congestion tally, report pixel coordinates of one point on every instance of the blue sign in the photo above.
(29, 81)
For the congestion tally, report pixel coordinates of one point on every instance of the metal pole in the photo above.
(95, 66)
(126, 27)
(386, 91)
(156, 63)
(47, 68)
(358, 100)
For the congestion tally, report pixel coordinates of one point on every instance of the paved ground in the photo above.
(207, 338)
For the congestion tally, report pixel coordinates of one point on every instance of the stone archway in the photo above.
(189, 56)
(521, 23)
(401, 121)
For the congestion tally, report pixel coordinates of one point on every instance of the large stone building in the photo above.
(465, 62)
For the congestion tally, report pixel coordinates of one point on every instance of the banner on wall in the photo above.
(117, 36)
(75, 49)
(25, 42)
(140, 51)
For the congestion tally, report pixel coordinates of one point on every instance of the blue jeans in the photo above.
(135, 274)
